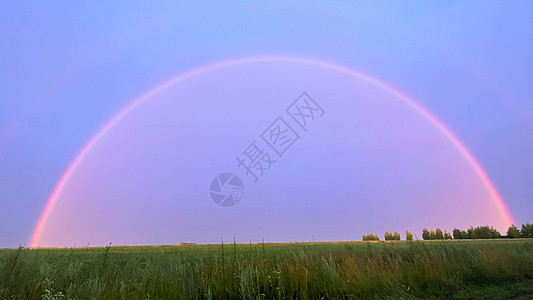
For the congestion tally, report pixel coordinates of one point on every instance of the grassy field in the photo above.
(468, 269)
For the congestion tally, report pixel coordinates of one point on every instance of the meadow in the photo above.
(457, 269)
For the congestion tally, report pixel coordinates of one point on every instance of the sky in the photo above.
(69, 68)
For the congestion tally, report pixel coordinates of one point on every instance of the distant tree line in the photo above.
(370, 237)
(436, 234)
(392, 236)
(526, 232)
(480, 232)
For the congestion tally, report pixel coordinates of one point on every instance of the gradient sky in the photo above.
(68, 68)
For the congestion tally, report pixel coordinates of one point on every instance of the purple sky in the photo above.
(67, 70)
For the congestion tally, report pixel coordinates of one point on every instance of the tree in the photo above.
(457, 234)
(425, 234)
(433, 234)
(527, 230)
(513, 232)
(392, 236)
(470, 232)
(370, 237)
(447, 236)
(438, 234)
(495, 233)
(396, 236)
(408, 236)
(485, 232)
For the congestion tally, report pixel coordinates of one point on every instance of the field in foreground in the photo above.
(469, 269)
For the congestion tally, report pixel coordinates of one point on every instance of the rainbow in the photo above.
(34, 240)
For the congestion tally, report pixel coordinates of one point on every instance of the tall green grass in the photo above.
(408, 270)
